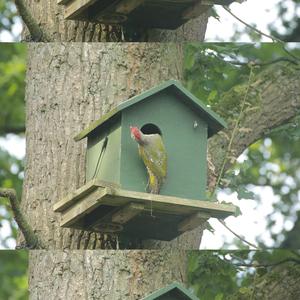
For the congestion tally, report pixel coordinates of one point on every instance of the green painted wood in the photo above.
(104, 119)
(215, 122)
(174, 291)
(185, 123)
(185, 145)
(109, 164)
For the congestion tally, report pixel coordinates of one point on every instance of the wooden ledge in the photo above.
(105, 207)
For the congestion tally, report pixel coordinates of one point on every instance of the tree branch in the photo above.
(256, 63)
(13, 129)
(274, 39)
(250, 26)
(31, 239)
(237, 235)
(273, 100)
(265, 265)
(37, 34)
(233, 134)
(255, 264)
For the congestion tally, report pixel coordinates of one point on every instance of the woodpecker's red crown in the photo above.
(135, 133)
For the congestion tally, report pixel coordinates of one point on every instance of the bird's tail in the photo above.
(154, 184)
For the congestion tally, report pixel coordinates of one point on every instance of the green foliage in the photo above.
(13, 274)
(12, 86)
(12, 121)
(213, 69)
(210, 276)
(220, 275)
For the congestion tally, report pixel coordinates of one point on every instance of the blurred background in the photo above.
(244, 275)
(276, 17)
(264, 183)
(12, 129)
(13, 275)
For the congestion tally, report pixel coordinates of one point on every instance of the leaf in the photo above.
(245, 290)
(219, 296)
(243, 193)
(238, 212)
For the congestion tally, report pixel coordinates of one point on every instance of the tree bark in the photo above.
(50, 16)
(105, 275)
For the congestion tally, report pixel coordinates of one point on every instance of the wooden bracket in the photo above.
(195, 11)
(83, 208)
(73, 9)
(127, 212)
(193, 221)
(63, 1)
(106, 227)
(127, 6)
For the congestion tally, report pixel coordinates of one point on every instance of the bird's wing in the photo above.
(154, 155)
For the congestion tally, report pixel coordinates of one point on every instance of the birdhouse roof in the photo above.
(176, 290)
(215, 122)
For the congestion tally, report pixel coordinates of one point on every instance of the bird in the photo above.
(154, 156)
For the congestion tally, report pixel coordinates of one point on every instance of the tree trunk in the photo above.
(50, 16)
(105, 275)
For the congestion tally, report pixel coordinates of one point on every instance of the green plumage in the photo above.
(154, 155)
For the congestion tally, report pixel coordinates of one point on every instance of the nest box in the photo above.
(164, 14)
(174, 291)
(114, 197)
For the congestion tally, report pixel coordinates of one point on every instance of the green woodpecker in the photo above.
(154, 155)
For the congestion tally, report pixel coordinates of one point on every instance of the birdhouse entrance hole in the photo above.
(150, 129)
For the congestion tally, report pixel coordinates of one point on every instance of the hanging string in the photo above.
(100, 157)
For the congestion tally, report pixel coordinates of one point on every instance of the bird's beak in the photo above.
(131, 133)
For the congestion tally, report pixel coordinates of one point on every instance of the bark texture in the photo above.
(105, 275)
(69, 86)
(50, 16)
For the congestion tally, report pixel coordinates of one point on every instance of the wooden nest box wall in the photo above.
(114, 198)
(174, 291)
(164, 14)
